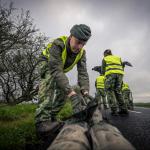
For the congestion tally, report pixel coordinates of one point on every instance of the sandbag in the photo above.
(71, 137)
(107, 137)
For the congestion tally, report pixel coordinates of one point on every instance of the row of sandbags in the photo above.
(100, 136)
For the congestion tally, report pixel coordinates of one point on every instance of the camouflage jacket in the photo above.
(56, 67)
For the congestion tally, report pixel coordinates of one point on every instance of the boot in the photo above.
(105, 106)
(123, 112)
(114, 113)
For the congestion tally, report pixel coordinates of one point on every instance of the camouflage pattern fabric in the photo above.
(113, 86)
(51, 99)
(55, 66)
(127, 98)
(100, 96)
(54, 84)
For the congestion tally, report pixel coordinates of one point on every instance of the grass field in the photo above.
(17, 129)
(142, 105)
(17, 126)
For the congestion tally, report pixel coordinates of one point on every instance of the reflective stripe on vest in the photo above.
(113, 65)
(100, 82)
(64, 54)
(125, 86)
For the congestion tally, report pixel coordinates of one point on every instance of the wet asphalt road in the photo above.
(135, 127)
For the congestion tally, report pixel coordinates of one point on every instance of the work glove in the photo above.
(76, 103)
(79, 111)
(88, 98)
(85, 95)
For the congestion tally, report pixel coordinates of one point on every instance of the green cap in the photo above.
(81, 32)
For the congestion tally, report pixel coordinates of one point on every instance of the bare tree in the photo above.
(20, 46)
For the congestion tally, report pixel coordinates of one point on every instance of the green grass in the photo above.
(12, 113)
(66, 111)
(17, 126)
(142, 105)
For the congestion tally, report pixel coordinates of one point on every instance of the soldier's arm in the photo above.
(83, 77)
(56, 68)
(121, 61)
(103, 67)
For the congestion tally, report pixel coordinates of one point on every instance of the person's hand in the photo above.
(87, 97)
(76, 101)
(85, 93)
(71, 93)
(75, 98)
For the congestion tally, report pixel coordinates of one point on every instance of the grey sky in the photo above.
(121, 25)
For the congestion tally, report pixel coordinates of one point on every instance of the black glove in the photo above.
(88, 98)
(79, 111)
(76, 103)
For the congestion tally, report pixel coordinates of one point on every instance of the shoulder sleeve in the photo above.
(56, 66)
(83, 77)
(103, 67)
(121, 62)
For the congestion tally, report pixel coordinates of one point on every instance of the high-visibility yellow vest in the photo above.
(100, 82)
(125, 87)
(113, 65)
(64, 54)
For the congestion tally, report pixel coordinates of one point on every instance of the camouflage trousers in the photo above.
(51, 99)
(127, 98)
(100, 96)
(113, 86)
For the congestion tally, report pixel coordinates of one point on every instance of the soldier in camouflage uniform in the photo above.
(113, 71)
(100, 91)
(127, 96)
(59, 57)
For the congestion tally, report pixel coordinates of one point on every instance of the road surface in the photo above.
(135, 127)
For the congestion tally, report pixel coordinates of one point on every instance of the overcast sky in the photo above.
(121, 25)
